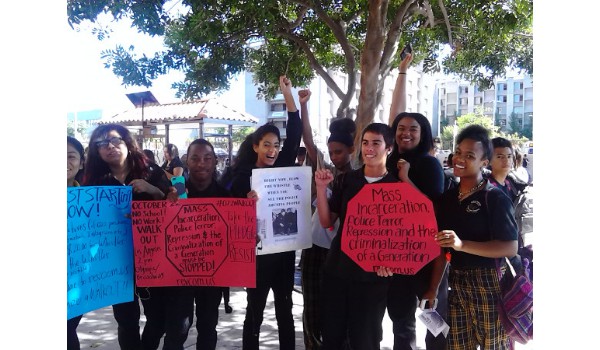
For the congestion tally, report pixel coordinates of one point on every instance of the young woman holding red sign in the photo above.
(476, 221)
(353, 301)
(273, 271)
(115, 159)
(411, 162)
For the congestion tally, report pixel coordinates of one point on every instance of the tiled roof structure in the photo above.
(208, 111)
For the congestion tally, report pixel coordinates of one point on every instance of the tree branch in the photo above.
(391, 43)
(313, 61)
(339, 32)
(430, 17)
(443, 8)
(298, 20)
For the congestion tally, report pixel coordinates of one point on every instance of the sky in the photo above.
(91, 86)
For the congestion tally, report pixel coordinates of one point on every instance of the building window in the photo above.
(518, 98)
(502, 86)
(478, 100)
(518, 85)
(276, 107)
(501, 98)
(463, 101)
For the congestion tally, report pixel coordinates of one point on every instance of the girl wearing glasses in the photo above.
(115, 159)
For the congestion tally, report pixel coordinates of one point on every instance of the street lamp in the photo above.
(139, 99)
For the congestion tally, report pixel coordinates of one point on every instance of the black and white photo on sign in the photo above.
(285, 221)
(283, 208)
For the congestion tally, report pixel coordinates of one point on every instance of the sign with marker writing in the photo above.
(99, 248)
(391, 225)
(283, 208)
(195, 242)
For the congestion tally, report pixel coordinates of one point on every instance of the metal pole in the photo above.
(143, 126)
(230, 129)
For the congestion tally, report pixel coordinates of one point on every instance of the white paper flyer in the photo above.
(283, 209)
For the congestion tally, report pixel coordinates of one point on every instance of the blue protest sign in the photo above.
(99, 248)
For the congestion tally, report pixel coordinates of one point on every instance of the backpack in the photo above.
(515, 307)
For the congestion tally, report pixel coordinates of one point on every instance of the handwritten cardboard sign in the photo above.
(390, 225)
(283, 208)
(99, 248)
(195, 242)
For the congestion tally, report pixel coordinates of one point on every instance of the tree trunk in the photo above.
(369, 68)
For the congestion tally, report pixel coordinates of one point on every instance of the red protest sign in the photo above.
(391, 225)
(195, 242)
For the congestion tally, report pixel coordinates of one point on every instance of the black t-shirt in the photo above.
(175, 163)
(483, 216)
(155, 177)
(425, 172)
(506, 187)
(240, 184)
(338, 263)
(214, 190)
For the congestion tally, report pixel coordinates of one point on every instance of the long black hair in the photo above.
(79, 148)
(426, 142)
(96, 168)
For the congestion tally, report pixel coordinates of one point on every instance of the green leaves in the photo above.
(216, 39)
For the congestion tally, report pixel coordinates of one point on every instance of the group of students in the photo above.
(344, 305)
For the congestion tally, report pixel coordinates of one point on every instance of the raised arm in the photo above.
(293, 130)
(309, 143)
(286, 89)
(322, 179)
(399, 96)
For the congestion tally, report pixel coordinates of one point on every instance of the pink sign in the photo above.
(195, 242)
(391, 225)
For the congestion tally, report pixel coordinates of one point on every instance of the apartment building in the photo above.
(508, 98)
(324, 102)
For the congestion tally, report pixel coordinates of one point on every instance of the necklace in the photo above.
(462, 195)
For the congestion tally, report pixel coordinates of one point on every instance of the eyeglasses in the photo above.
(115, 141)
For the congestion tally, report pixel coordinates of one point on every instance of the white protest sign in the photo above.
(283, 209)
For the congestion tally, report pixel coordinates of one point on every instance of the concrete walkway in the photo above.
(98, 329)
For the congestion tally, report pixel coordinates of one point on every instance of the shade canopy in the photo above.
(205, 111)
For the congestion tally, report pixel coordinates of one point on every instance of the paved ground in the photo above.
(98, 329)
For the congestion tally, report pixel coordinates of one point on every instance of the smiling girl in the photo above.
(411, 161)
(273, 271)
(476, 222)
